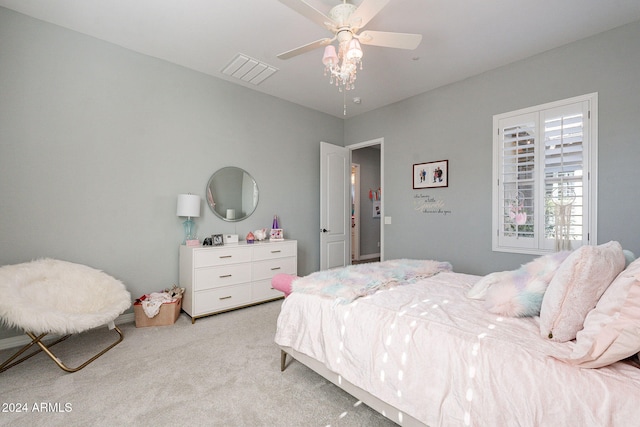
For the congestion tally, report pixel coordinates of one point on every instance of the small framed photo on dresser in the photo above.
(217, 240)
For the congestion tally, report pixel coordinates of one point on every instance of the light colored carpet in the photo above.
(224, 370)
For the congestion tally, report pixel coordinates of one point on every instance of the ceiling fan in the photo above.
(345, 21)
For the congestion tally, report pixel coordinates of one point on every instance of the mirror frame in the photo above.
(210, 197)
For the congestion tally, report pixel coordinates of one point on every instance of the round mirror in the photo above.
(232, 194)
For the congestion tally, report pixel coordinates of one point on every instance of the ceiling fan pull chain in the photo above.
(344, 100)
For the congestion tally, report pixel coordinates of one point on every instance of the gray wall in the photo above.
(455, 123)
(369, 160)
(96, 142)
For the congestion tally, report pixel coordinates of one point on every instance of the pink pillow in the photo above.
(519, 293)
(612, 329)
(282, 282)
(576, 288)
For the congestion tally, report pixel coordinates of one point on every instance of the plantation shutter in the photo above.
(564, 177)
(544, 198)
(517, 181)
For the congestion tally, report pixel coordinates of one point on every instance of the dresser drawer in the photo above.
(218, 299)
(262, 290)
(273, 250)
(269, 268)
(221, 256)
(215, 277)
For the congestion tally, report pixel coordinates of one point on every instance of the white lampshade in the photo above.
(188, 205)
(354, 51)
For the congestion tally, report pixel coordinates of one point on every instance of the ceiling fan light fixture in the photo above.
(354, 51)
(342, 67)
(330, 57)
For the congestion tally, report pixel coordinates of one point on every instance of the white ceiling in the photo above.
(461, 38)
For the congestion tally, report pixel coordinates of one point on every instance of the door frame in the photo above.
(355, 220)
(364, 144)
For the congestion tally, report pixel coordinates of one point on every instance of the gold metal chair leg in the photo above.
(47, 349)
(283, 360)
(8, 363)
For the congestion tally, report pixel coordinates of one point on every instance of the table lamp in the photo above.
(189, 206)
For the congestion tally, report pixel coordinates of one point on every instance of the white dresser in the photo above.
(221, 278)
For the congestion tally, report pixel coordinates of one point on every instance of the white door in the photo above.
(335, 231)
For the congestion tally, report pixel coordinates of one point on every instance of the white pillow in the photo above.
(576, 288)
(611, 330)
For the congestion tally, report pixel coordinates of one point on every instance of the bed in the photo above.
(423, 352)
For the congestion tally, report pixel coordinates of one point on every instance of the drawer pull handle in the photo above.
(225, 256)
(225, 276)
(275, 268)
(275, 252)
(225, 297)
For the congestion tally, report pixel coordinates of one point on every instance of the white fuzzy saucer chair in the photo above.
(49, 296)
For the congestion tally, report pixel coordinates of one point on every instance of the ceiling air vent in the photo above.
(248, 69)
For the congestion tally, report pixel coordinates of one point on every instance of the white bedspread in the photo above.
(442, 358)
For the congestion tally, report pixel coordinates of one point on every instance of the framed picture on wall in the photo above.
(431, 174)
(376, 209)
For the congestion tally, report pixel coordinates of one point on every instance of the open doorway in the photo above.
(367, 243)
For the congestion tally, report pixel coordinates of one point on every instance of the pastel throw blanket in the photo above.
(349, 283)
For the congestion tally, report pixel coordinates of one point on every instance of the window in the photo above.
(544, 197)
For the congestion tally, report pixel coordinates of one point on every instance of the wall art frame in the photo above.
(217, 240)
(377, 209)
(430, 174)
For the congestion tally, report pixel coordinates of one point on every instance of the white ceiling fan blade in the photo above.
(308, 11)
(366, 11)
(305, 48)
(385, 39)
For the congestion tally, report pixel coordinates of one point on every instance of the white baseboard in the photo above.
(22, 340)
(369, 256)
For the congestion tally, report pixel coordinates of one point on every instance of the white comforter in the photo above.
(442, 358)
